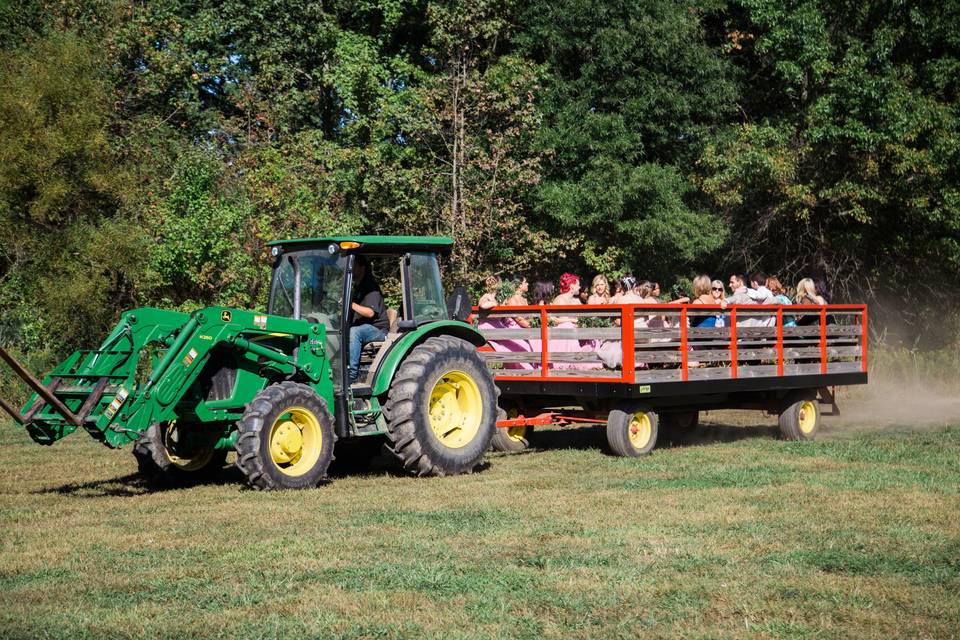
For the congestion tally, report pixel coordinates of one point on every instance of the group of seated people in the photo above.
(758, 289)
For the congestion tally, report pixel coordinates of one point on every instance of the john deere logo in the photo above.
(226, 316)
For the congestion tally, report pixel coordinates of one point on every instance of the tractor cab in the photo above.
(314, 279)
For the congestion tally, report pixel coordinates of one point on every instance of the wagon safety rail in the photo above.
(641, 343)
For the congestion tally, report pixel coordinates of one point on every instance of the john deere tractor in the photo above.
(184, 389)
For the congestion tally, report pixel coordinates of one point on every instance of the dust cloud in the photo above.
(889, 405)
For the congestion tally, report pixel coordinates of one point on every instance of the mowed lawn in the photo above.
(737, 535)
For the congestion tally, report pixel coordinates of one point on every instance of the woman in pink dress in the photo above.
(569, 295)
(489, 301)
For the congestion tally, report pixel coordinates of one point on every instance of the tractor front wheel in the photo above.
(441, 408)
(286, 438)
(164, 460)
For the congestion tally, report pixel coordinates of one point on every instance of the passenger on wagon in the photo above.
(599, 290)
(741, 296)
(704, 294)
(738, 290)
(807, 294)
(781, 298)
(569, 295)
(488, 301)
(543, 292)
(617, 291)
(758, 290)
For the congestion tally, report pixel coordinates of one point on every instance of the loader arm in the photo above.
(145, 367)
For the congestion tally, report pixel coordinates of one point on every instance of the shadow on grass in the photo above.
(367, 456)
(713, 433)
(594, 437)
(133, 484)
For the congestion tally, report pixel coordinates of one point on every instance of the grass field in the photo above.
(738, 535)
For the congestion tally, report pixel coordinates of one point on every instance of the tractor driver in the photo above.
(368, 315)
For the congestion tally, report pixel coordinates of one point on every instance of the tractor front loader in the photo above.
(185, 389)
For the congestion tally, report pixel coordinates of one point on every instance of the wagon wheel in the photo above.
(510, 439)
(677, 425)
(632, 432)
(800, 418)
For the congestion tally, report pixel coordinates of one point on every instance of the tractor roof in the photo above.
(386, 244)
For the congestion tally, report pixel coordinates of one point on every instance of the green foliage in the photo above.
(632, 93)
(55, 161)
(148, 151)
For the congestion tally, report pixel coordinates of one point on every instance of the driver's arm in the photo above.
(361, 310)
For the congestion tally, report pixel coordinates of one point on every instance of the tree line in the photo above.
(149, 150)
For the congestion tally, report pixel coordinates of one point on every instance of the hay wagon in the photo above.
(643, 368)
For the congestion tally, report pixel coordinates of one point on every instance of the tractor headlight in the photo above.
(333, 249)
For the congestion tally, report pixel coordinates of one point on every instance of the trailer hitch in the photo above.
(45, 393)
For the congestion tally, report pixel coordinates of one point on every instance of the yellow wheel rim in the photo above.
(640, 430)
(296, 441)
(199, 460)
(807, 417)
(456, 409)
(516, 434)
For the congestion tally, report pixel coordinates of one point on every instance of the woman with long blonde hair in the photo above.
(807, 293)
(599, 290)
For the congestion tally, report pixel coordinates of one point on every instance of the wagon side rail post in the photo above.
(544, 344)
(684, 359)
(863, 338)
(733, 342)
(823, 339)
(626, 339)
(780, 341)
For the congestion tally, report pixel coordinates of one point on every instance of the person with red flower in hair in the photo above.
(569, 295)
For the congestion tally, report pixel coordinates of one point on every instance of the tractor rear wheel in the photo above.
(800, 419)
(632, 432)
(441, 408)
(162, 459)
(510, 439)
(286, 438)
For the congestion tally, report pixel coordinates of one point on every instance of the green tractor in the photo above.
(184, 389)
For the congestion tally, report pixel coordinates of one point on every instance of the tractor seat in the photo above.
(371, 348)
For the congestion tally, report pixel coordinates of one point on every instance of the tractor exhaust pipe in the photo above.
(38, 387)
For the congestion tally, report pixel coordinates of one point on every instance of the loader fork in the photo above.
(45, 392)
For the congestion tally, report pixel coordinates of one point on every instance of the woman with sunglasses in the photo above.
(707, 293)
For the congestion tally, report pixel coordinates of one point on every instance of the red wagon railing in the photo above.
(642, 343)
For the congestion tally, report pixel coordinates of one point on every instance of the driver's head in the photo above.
(360, 268)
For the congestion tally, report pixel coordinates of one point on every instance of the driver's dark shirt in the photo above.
(368, 295)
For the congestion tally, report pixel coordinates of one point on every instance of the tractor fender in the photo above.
(404, 345)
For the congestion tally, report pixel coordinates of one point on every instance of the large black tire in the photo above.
(432, 428)
(632, 432)
(800, 417)
(511, 440)
(160, 464)
(286, 438)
